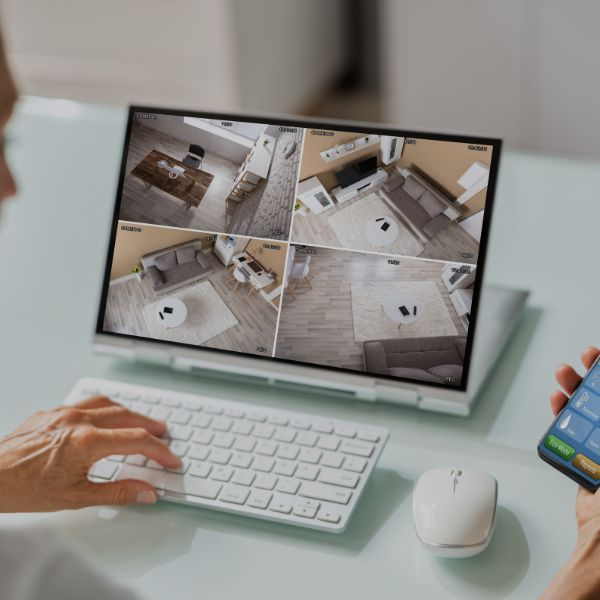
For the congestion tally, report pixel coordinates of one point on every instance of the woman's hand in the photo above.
(44, 463)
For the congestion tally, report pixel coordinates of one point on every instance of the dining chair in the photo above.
(195, 156)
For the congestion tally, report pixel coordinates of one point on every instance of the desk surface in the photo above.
(544, 238)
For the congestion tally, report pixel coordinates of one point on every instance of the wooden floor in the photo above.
(160, 208)
(449, 244)
(317, 327)
(257, 319)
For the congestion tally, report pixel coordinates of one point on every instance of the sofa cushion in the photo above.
(418, 374)
(461, 345)
(202, 260)
(411, 210)
(413, 188)
(436, 224)
(393, 183)
(190, 270)
(432, 205)
(166, 261)
(375, 360)
(443, 371)
(155, 277)
(186, 254)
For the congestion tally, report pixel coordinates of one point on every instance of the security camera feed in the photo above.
(353, 251)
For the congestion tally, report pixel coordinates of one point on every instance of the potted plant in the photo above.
(138, 272)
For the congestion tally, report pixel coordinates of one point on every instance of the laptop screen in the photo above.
(345, 248)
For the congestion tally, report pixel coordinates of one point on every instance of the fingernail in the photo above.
(146, 497)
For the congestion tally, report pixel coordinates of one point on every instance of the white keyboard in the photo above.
(246, 459)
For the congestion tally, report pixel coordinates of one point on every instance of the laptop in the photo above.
(341, 257)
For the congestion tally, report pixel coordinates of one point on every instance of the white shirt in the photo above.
(35, 565)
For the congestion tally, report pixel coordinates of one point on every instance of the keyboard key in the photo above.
(171, 482)
(277, 420)
(346, 432)
(244, 444)
(180, 416)
(179, 448)
(223, 440)
(104, 469)
(213, 409)
(198, 452)
(172, 402)
(136, 459)
(339, 478)
(329, 493)
(259, 499)
(222, 424)
(308, 472)
(263, 463)
(281, 507)
(200, 469)
(303, 511)
(241, 460)
(367, 436)
(236, 413)
(285, 435)
(300, 423)
(116, 458)
(152, 464)
(219, 457)
(329, 442)
(322, 427)
(234, 494)
(202, 436)
(264, 431)
(191, 405)
(182, 468)
(201, 420)
(309, 503)
(221, 473)
(160, 412)
(355, 464)
(357, 448)
(266, 448)
(242, 428)
(287, 486)
(333, 460)
(306, 438)
(256, 416)
(129, 395)
(310, 455)
(150, 399)
(265, 481)
(139, 408)
(180, 432)
(243, 477)
(284, 467)
(328, 516)
(288, 451)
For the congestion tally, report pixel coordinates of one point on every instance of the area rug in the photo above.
(350, 227)
(371, 323)
(207, 316)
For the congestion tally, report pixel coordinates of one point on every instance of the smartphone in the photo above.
(572, 443)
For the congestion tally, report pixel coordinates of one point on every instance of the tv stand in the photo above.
(342, 194)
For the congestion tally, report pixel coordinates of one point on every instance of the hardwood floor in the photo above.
(449, 244)
(317, 326)
(257, 320)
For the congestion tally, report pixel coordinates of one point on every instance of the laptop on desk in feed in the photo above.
(336, 256)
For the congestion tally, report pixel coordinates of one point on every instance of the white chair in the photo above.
(239, 276)
(300, 272)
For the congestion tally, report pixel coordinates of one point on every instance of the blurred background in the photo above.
(524, 70)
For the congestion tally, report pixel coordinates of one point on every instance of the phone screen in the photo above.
(572, 442)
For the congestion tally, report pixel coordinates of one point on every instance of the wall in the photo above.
(523, 70)
(312, 163)
(131, 246)
(269, 259)
(444, 163)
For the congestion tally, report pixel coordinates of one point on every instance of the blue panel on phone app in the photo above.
(573, 425)
(592, 380)
(587, 403)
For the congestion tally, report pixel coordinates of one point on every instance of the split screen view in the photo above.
(344, 249)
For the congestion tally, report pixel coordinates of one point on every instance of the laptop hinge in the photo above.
(396, 394)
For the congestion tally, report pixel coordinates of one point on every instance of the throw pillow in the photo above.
(413, 188)
(155, 277)
(448, 371)
(186, 254)
(432, 205)
(418, 374)
(166, 261)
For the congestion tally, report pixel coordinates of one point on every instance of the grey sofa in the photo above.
(425, 209)
(176, 266)
(428, 359)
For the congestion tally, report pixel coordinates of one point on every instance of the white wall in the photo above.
(524, 70)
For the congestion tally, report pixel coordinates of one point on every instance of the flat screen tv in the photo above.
(357, 171)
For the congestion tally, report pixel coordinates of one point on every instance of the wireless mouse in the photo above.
(454, 510)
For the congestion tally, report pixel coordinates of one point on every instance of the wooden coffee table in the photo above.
(190, 186)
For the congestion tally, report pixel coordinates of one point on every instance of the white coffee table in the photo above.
(171, 312)
(377, 236)
(394, 300)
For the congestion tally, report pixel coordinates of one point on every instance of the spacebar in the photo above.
(172, 482)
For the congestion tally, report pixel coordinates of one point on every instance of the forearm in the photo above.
(579, 579)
